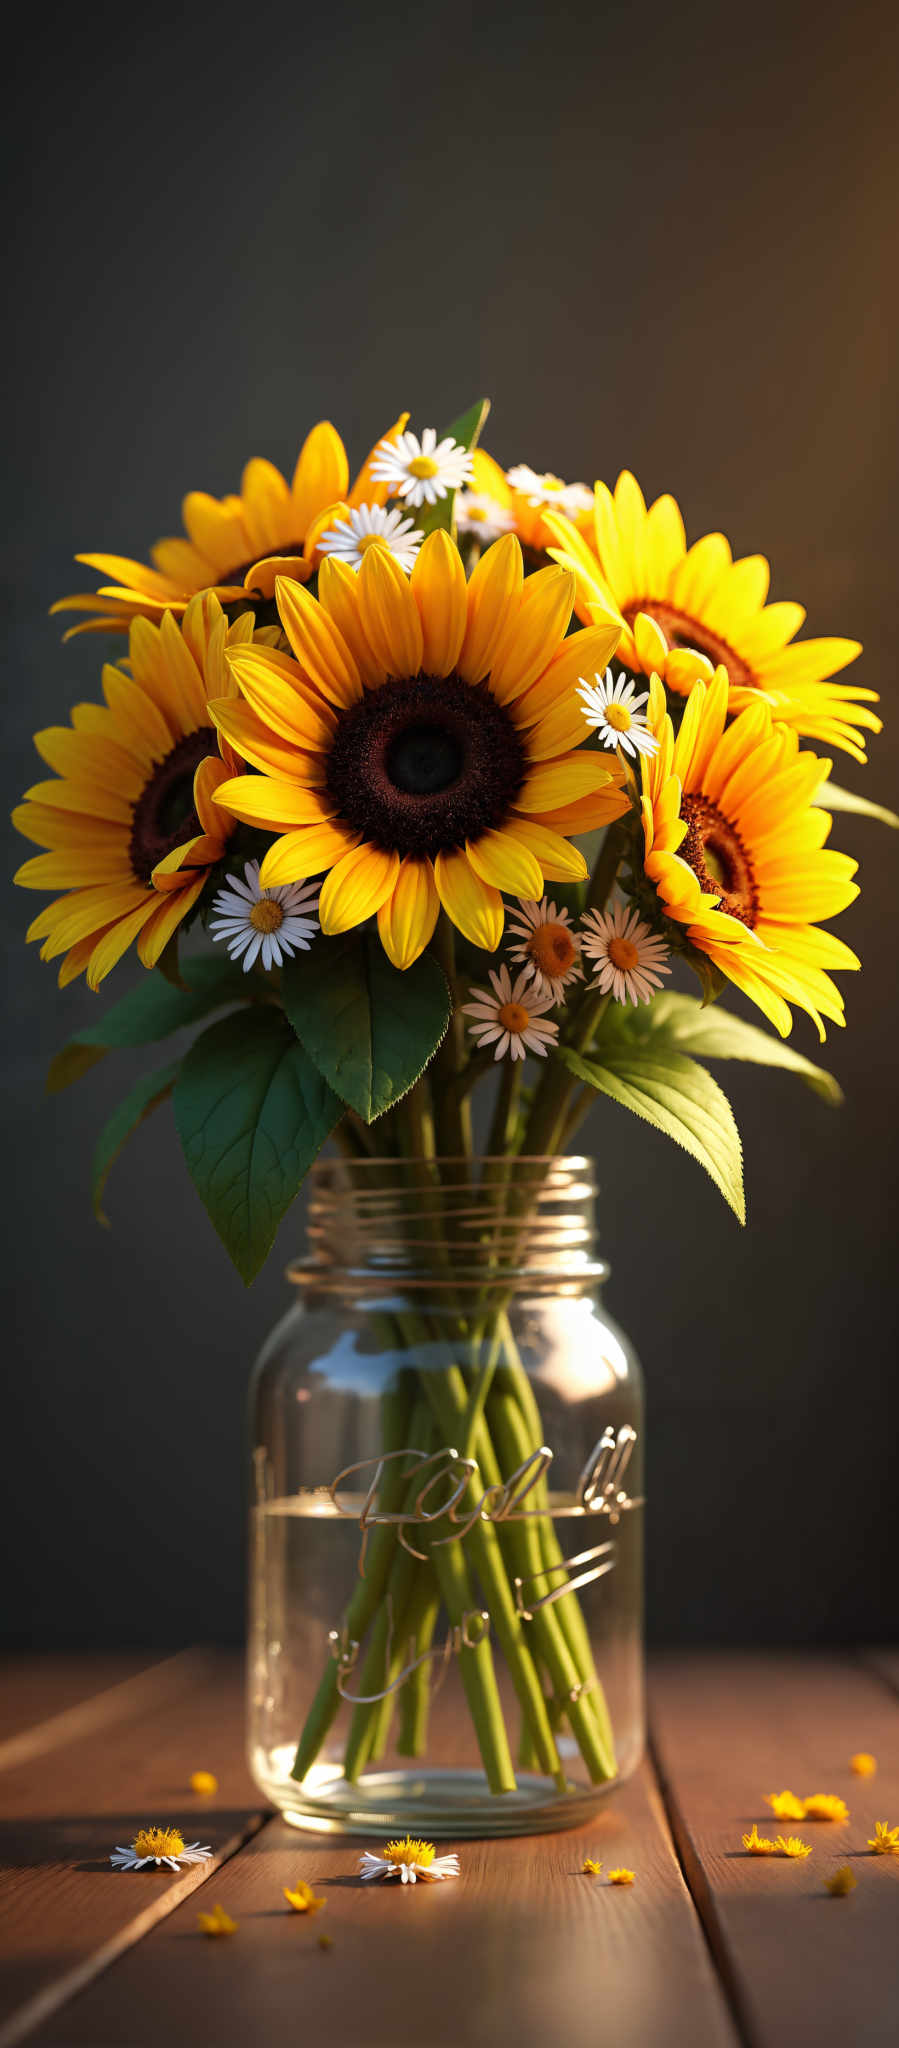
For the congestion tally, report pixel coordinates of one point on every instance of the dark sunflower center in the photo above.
(164, 814)
(421, 766)
(719, 859)
(681, 630)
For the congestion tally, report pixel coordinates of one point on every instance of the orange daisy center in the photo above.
(266, 915)
(719, 859)
(681, 630)
(552, 949)
(513, 1017)
(623, 953)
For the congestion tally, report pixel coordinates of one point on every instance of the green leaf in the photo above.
(144, 1097)
(466, 430)
(679, 1097)
(370, 1029)
(151, 1010)
(830, 797)
(252, 1113)
(684, 1025)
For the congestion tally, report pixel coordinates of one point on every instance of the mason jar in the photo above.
(446, 1546)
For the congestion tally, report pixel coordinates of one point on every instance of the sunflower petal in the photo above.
(532, 638)
(320, 648)
(508, 864)
(440, 592)
(406, 921)
(308, 851)
(262, 800)
(474, 906)
(494, 597)
(552, 784)
(356, 888)
(559, 861)
(321, 475)
(390, 614)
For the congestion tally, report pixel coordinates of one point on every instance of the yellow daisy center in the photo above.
(370, 540)
(423, 466)
(158, 1842)
(552, 948)
(266, 915)
(513, 1017)
(551, 484)
(623, 953)
(618, 717)
(409, 1852)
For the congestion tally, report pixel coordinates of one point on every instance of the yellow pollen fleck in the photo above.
(216, 1922)
(158, 1842)
(618, 717)
(552, 948)
(785, 1805)
(513, 1017)
(758, 1845)
(841, 1882)
(325, 1941)
(590, 1867)
(623, 953)
(885, 1840)
(790, 1845)
(408, 1852)
(826, 1806)
(266, 915)
(302, 1899)
(423, 466)
(621, 1877)
(863, 1764)
(204, 1783)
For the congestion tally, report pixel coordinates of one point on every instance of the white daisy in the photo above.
(421, 471)
(408, 1860)
(158, 1846)
(617, 713)
(514, 1015)
(628, 958)
(546, 489)
(549, 949)
(367, 526)
(273, 922)
(482, 517)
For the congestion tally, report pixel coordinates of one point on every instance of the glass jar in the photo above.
(446, 1551)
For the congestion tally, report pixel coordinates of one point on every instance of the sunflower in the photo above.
(680, 603)
(235, 544)
(423, 746)
(130, 825)
(735, 849)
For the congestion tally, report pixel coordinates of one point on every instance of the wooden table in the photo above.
(710, 1949)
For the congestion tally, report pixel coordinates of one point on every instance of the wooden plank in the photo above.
(521, 1948)
(65, 1913)
(886, 1663)
(54, 1700)
(800, 1966)
(39, 1685)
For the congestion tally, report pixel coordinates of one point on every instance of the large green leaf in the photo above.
(152, 1009)
(684, 1025)
(679, 1097)
(144, 1097)
(831, 797)
(370, 1029)
(252, 1113)
(466, 430)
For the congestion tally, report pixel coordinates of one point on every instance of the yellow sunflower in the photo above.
(236, 544)
(680, 603)
(735, 849)
(423, 745)
(130, 825)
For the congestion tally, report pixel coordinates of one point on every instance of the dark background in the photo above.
(659, 237)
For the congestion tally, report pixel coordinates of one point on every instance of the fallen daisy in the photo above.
(216, 1922)
(157, 1846)
(408, 1860)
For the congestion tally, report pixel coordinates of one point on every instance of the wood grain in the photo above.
(520, 1948)
(65, 1912)
(801, 1967)
(43, 1684)
(47, 1701)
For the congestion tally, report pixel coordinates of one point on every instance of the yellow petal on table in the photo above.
(309, 851)
(356, 887)
(502, 860)
(474, 906)
(533, 637)
(320, 648)
(440, 591)
(389, 613)
(406, 920)
(322, 474)
(261, 800)
(494, 598)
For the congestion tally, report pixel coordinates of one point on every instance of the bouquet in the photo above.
(445, 771)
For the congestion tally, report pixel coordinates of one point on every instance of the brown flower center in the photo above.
(719, 859)
(623, 953)
(552, 948)
(164, 815)
(266, 915)
(513, 1017)
(681, 630)
(422, 765)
